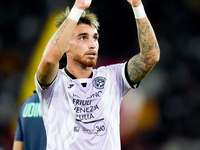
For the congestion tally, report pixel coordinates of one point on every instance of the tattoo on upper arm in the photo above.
(136, 68)
(41, 78)
(59, 32)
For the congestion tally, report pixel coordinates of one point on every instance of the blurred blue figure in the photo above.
(30, 132)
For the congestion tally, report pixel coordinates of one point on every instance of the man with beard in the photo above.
(80, 105)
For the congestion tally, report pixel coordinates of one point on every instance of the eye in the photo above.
(95, 38)
(83, 38)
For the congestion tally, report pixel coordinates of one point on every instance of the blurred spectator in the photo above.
(30, 132)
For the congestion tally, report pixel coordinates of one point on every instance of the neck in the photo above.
(80, 72)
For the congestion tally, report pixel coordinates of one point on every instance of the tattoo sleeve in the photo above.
(141, 64)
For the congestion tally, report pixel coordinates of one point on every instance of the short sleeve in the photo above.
(18, 131)
(127, 79)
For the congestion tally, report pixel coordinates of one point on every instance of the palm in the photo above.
(83, 4)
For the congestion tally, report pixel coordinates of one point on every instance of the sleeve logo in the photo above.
(99, 82)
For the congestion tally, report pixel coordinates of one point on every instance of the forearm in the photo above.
(54, 50)
(56, 47)
(18, 145)
(149, 49)
(60, 40)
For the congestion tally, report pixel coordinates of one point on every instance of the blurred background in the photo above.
(162, 114)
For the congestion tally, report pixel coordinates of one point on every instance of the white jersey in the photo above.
(84, 118)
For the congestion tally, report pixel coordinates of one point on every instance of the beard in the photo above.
(87, 62)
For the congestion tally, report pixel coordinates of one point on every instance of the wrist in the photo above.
(139, 11)
(75, 13)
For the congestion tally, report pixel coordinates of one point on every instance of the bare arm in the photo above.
(18, 145)
(54, 50)
(56, 47)
(141, 64)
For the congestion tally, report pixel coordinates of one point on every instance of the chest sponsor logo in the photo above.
(99, 129)
(95, 95)
(99, 82)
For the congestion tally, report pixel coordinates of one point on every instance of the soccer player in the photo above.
(80, 105)
(30, 132)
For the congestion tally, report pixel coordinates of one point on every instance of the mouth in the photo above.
(92, 54)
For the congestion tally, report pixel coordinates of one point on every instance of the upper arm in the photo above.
(18, 145)
(47, 72)
(138, 68)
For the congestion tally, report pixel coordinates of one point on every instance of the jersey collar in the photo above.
(72, 76)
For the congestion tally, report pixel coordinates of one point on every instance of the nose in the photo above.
(92, 44)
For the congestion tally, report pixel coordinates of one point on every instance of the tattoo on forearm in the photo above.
(59, 32)
(147, 39)
(41, 77)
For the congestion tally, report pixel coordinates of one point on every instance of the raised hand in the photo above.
(83, 4)
(134, 3)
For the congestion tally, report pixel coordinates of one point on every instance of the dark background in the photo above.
(171, 90)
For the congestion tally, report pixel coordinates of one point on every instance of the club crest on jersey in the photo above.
(99, 82)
